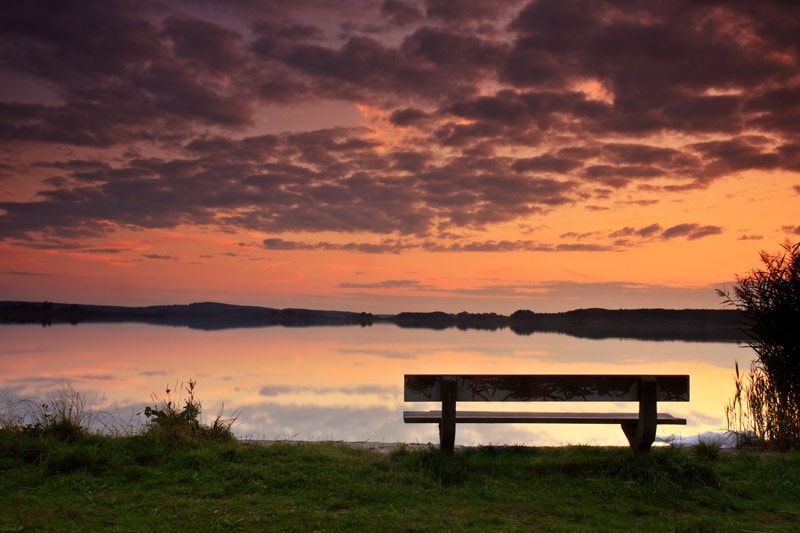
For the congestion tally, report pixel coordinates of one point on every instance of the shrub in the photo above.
(767, 399)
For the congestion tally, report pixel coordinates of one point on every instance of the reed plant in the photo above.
(767, 398)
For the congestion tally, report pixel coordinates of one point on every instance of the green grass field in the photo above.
(149, 483)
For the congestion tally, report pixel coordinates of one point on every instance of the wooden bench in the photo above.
(639, 427)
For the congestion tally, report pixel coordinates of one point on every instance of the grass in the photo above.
(135, 483)
(177, 474)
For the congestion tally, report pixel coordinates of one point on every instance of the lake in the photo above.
(345, 382)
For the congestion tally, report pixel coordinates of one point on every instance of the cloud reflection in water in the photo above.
(344, 383)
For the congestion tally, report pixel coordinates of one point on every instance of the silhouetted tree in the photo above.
(523, 314)
(770, 301)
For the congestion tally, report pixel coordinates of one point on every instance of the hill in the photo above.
(707, 325)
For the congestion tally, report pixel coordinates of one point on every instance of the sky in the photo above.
(395, 155)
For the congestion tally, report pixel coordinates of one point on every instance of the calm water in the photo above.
(343, 383)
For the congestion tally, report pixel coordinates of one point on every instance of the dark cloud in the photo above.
(739, 153)
(407, 117)
(488, 112)
(451, 51)
(401, 13)
(579, 236)
(436, 245)
(385, 246)
(648, 231)
(668, 159)
(314, 181)
(205, 44)
(429, 63)
(386, 284)
(618, 177)
(104, 250)
(791, 229)
(120, 77)
(629, 236)
(280, 244)
(27, 274)
(464, 10)
(583, 247)
(690, 231)
(462, 245)
(657, 60)
(546, 163)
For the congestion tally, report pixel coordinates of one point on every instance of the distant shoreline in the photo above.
(698, 325)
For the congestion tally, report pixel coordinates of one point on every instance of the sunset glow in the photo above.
(395, 155)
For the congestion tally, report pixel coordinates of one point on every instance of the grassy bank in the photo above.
(149, 483)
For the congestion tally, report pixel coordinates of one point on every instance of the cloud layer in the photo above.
(135, 116)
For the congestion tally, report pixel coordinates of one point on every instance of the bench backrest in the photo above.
(540, 388)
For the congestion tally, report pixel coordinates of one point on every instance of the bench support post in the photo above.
(642, 434)
(447, 425)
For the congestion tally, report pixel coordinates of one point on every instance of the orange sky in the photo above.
(390, 155)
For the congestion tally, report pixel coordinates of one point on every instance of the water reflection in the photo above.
(345, 383)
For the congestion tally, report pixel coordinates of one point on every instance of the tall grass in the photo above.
(67, 416)
(64, 414)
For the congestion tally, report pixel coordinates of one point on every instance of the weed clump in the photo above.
(168, 421)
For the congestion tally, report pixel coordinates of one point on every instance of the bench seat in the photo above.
(497, 417)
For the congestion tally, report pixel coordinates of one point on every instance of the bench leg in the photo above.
(447, 426)
(642, 434)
